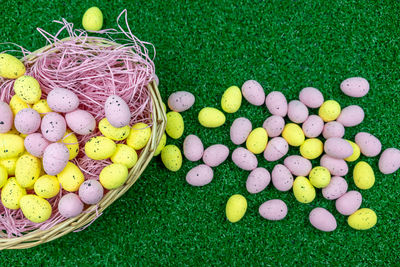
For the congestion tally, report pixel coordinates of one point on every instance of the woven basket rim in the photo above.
(38, 236)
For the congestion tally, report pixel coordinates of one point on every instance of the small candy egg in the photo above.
(363, 175)
(16, 104)
(35, 208)
(117, 134)
(311, 97)
(389, 162)
(211, 117)
(62, 100)
(3, 176)
(298, 165)
(11, 67)
(355, 87)
(92, 20)
(320, 177)
(181, 101)
(258, 180)
(117, 111)
(35, 144)
(71, 142)
(273, 210)
(175, 125)
(42, 107)
(356, 152)
(313, 126)
(323, 220)
(333, 129)
(125, 155)
(28, 89)
(193, 148)
(27, 121)
(27, 170)
(240, 130)
(370, 146)
(351, 116)
(253, 92)
(11, 194)
(91, 192)
(71, 177)
(274, 125)
(244, 159)
(100, 147)
(80, 121)
(11, 146)
(6, 117)
(303, 190)
(362, 219)
(53, 126)
(113, 176)
(293, 134)
(139, 136)
(335, 166)
(55, 158)
(297, 111)
(47, 186)
(338, 148)
(171, 156)
(276, 103)
(215, 155)
(70, 205)
(312, 148)
(276, 148)
(336, 188)
(161, 145)
(281, 178)
(232, 100)
(257, 140)
(200, 175)
(329, 110)
(236, 208)
(9, 164)
(349, 203)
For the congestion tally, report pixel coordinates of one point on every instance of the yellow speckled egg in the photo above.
(320, 177)
(92, 19)
(231, 99)
(161, 145)
(211, 117)
(16, 104)
(71, 142)
(236, 208)
(363, 175)
(125, 155)
(11, 194)
(3, 176)
(9, 165)
(112, 132)
(47, 186)
(362, 219)
(164, 106)
(171, 156)
(293, 134)
(312, 148)
(99, 148)
(356, 152)
(11, 146)
(27, 170)
(71, 177)
(28, 89)
(41, 107)
(257, 140)
(139, 136)
(113, 176)
(11, 67)
(35, 208)
(329, 110)
(303, 190)
(175, 125)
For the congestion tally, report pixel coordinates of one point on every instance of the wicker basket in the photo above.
(38, 237)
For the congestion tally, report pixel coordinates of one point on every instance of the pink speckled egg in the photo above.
(273, 210)
(35, 144)
(323, 220)
(333, 129)
(53, 126)
(27, 121)
(258, 180)
(298, 165)
(91, 192)
(181, 101)
(215, 155)
(240, 130)
(349, 203)
(338, 148)
(335, 189)
(370, 146)
(389, 162)
(351, 116)
(335, 166)
(70, 205)
(62, 100)
(274, 125)
(311, 97)
(193, 148)
(81, 122)
(200, 175)
(117, 111)
(276, 103)
(253, 92)
(281, 178)
(277, 147)
(313, 126)
(244, 159)
(355, 87)
(297, 111)
(6, 117)
(55, 158)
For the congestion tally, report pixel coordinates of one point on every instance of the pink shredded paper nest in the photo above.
(93, 68)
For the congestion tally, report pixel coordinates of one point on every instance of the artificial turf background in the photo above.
(204, 47)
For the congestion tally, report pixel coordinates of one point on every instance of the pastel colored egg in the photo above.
(313, 126)
(389, 162)
(211, 117)
(337, 167)
(3, 175)
(240, 130)
(91, 192)
(257, 140)
(215, 155)
(71, 142)
(370, 146)
(175, 125)
(298, 165)
(53, 126)
(311, 97)
(244, 159)
(161, 145)
(11, 146)
(312, 148)
(349, 203)
(11, 67)
(114, 133)
(338, 148)
(297, 111)
(28, 89)
(362, 219)
(351, 116)
(35, 208)
(27, 170)
(258, 180)
(356, 152)
(273, 210)
(333, 129)
(274, 125)
(276, 103)
(125, 155)
(231, 99)
(11, 194)
(117, 111)
(303, 190)
(253, 92)
(293, 134)
(70, 205)
(335, 189)
(100, 147)
(36, 144)
(92, 20)
(363, 175)
(329, 110)
(16, 104)
(200, 175)
(47, 186)
(355, 87)
(281, 178)
(323, 220)
(71, 177)
(80, 121)
(6, 117)
(42, 107)
(320, 177)
(27, 121)
(181, 101)
(235, 208)
(139, 136)
(276, 148)
(62, 100)
(193, 148)
(9, 164)
(171, 156)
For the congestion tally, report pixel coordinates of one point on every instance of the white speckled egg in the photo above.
(258, 180)
(370, 146)
(215, 155)
(55, 158)
(240, 130)
(253, 92)
(351, 116)
(200, 175)
(117, 111)
(35, 144)
(349, 203)
(335, 166)
(338, 148)
(27, 121)
(276, 103)
(244, 159)
(298, 165)
(91, 192)
(53, 126)
(62, 100)
(273, 210)
(6, 117)
(281, 177)
(311, 97)
(70, 205)
(335, 189)
(323, 220)
(313, 126)
(81, 122)
(277, 147)
(333, 129)
(297, 111)
(355, 87)
(274, 125)
(181, 101)
(193, 148)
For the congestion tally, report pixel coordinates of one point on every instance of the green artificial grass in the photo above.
(204, 47)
